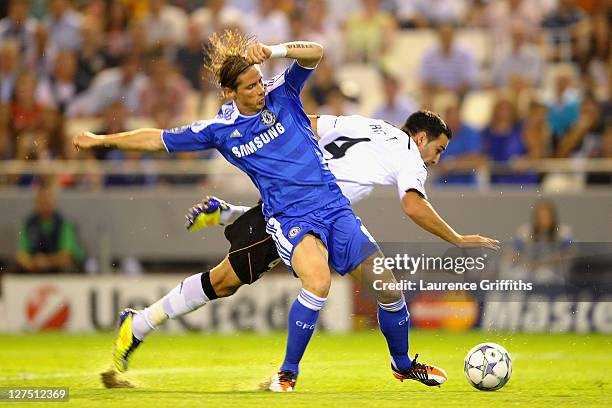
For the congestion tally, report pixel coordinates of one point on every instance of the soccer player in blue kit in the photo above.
(265, 132)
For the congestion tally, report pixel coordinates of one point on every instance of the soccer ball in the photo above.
(487, 366)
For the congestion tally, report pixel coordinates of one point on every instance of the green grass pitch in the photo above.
(560, 370)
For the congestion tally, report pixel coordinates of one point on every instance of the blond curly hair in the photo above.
(226, 53)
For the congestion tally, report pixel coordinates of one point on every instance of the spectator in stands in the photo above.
(216, 15)
(53, 126)
(123, 83)
(18, 25)
(322, 83)
(47, 241)
(319, 26)
(91, 57)
(115, 32)
(317, 22)
(604, 152)
(520, 64)
(39, 58)
(26, 113)
(206, 101)
(36, 133)
(165, 24)
(297, 26)
(59, 89)
(463, 157)
(6, 142)
(63, 26)
(138, 43)
(9, 67)
(585, 135)
(500, 16)
(536, 132)
(163, 84)
(544, 247)
(595, 60)
(396, 106)
(114, 120)
(565, 28)
(338, 103)
(289, 7)
(430, 13)
(369, 33)
(503, 142)
(189, 57)
(93, 9)
(268, 23)
(564, 106)
(137, 162)
(48, 142)
(448, 66)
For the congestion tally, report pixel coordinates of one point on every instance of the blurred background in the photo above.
(525, 86)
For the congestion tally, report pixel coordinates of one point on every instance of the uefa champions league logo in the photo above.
(268, 118)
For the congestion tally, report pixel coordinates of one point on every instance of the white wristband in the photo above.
(278, 51)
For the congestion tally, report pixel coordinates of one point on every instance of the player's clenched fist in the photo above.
(258, 53)
(85, 140)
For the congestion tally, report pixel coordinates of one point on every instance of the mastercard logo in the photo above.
(450, 310)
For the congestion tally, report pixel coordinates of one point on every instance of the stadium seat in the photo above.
(415, 43)
(476, 109)
(367, 83)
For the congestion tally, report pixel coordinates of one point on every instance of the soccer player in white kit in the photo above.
(361, 153)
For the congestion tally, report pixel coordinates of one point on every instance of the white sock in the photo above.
(230, 215)
(184, 298)
(142, 322)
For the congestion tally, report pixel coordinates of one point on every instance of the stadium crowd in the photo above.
(516, 80)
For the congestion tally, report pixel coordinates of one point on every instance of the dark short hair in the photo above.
(428, 122)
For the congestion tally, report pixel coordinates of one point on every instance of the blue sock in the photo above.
(394, 322)
(302, 320)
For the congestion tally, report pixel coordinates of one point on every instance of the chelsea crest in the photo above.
(268, 117)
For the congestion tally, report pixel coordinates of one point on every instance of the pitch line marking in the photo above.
(149, 371)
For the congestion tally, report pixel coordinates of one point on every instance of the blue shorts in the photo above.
(347, 241)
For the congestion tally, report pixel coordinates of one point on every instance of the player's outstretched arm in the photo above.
(423, 214)
(146, 139)
(307, 53)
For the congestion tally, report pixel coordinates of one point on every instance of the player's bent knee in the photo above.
(225, 289)
(224, 280)
(318, 285)
(316, 280)
(388, 296)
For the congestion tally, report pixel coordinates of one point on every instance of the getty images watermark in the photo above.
(404, 264)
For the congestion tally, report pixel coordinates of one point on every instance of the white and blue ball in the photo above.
(487, 366)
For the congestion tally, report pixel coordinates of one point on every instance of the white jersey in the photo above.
(363, 153)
